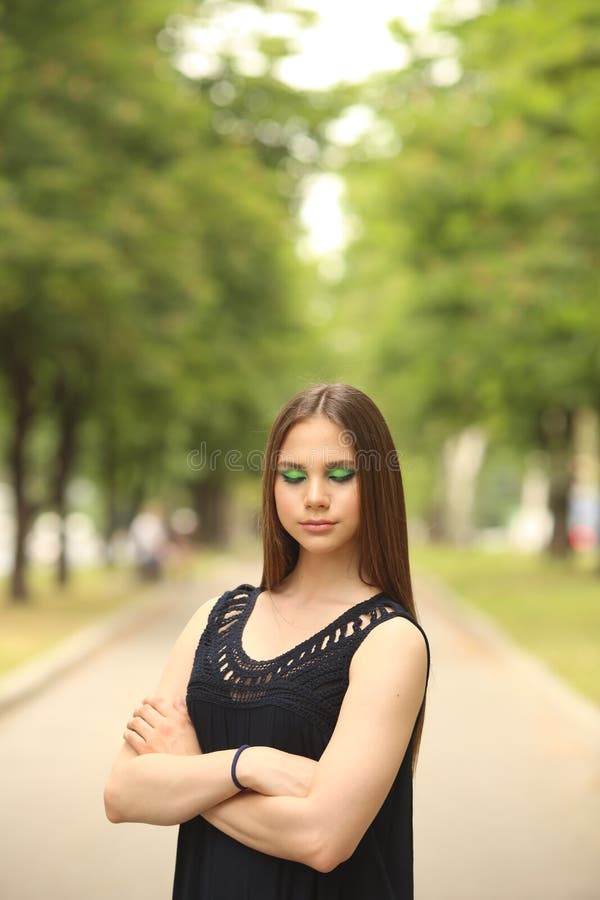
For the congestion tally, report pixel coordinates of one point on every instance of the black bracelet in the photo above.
(234, 764)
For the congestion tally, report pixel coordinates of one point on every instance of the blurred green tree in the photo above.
(480, 230)
(149, 281)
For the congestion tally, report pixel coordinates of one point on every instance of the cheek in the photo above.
(352, 496)
(281, 499)
(354, 504)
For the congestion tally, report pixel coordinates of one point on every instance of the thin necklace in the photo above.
(293, 625)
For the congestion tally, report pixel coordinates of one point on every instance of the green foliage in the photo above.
(481, 231)
(149, 281)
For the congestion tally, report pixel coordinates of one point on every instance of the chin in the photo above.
(322, 543)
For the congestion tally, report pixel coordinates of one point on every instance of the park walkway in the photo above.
(507, 791)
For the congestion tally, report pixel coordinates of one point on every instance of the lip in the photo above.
(317, 525)
(317, 522)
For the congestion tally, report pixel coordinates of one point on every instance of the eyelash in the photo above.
(338, 478)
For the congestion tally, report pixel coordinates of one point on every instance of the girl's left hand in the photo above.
(162, 726)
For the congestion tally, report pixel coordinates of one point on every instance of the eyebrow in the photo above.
(340, 463)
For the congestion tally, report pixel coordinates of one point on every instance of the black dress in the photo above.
(292, 703)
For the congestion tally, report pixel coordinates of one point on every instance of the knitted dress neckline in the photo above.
(315, 638)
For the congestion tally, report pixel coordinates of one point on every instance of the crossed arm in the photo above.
(298, 809)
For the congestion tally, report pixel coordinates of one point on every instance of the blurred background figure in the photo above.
(150, 541)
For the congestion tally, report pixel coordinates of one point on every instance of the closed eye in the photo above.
(342, 474)
(295, 475)
(291, 479)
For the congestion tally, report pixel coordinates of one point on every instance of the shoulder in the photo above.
(177, 671)
(197, 623)
(175, 675)
(395, 633)
(396, 643)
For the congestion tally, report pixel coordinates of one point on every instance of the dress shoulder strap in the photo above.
(229, 607)
(225, 613)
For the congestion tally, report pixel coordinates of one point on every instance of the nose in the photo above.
(316, 495)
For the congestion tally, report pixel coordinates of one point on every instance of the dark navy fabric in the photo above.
(291, 702)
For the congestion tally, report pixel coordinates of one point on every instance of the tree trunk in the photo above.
(22, 383)
(211, 506)
(463, 457)
(558, 502)
(108, 467)
(68, 417)
(120, 506)
(531, 524)
(557, 432)
(435, 517)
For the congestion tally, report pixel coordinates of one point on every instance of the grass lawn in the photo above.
(550, 607)
(52, 614)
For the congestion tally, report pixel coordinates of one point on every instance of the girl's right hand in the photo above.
(274, 772)
(160, 725)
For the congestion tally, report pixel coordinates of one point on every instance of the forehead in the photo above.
(317, 439)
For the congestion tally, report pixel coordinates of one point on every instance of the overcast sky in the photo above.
(350, 41)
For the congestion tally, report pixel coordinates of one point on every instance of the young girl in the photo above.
(289, 768)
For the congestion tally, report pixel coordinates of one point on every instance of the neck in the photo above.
(318, 576)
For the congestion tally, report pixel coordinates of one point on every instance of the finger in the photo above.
(159, 704)
(137, 743)
(152, 713)
(147, 713)
(140, 726)
(133, 738)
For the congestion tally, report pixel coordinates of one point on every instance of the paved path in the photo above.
(507, 789)
(507, 793)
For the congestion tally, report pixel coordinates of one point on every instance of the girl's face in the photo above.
(316, 479)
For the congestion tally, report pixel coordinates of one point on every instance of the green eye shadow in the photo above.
(298, 475)
(292, 473)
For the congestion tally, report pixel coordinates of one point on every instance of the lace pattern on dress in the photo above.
(310, 678)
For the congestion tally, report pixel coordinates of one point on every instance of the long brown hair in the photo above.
(383, 537)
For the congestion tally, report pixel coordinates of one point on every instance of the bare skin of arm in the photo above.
(160, 775)
(385, 692)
